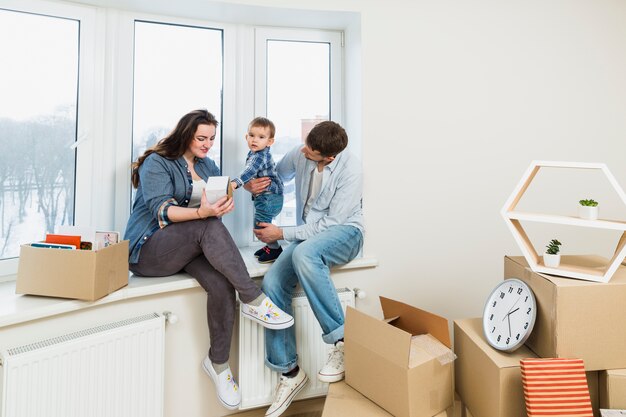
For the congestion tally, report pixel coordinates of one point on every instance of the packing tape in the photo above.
(434, 347)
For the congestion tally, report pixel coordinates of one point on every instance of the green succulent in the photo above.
(588, 203)
(553, 247)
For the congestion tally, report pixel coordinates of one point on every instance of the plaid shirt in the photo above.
(260, 164)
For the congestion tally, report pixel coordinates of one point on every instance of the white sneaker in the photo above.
(227, 389)
(267, 315)
(334, 370)
(286, 390)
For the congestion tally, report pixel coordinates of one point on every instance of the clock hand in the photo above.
(513, 311)
(509, 319)
(518, 298)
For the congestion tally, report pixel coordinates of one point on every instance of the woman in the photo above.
(174, 228)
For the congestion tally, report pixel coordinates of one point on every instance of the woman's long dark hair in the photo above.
(174, 145)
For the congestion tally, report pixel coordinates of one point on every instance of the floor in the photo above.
(304, 408)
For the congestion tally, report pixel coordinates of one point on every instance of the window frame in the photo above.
(261, 36)
(88, 136)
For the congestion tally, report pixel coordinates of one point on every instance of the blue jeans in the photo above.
(266, 207)
(308, 263)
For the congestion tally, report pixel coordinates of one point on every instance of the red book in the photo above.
(64, 239)
(556, 387)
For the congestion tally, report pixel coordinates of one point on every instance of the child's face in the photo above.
(258, 138)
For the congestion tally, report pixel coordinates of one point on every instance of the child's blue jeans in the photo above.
(266, 207)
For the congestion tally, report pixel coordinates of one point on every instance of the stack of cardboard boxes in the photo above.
(575, 319)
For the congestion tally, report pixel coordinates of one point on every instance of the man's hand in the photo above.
(257, 185)
(268, 233)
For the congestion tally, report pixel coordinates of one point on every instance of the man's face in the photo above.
(316, 156)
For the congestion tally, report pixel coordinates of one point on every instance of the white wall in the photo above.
(457, 98)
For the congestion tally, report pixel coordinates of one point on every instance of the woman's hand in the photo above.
(257, 185)
(218, 209)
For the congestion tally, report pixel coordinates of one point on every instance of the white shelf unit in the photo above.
(514, 218)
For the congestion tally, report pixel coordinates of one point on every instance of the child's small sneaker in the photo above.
(269, 255)
(260, 251)
(267, 315)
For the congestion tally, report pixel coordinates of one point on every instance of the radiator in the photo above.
(114, 370)
(256, 381)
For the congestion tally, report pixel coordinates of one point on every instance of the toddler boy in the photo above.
(259, 163)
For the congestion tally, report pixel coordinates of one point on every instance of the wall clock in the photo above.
(509, 315)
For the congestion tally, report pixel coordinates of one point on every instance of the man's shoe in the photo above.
(260, 251)
(268, 315)
(286, 390)
(227, 389)
(334, 370)
(269, 255)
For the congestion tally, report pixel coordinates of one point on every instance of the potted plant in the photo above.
(551, 258)
(588, 209)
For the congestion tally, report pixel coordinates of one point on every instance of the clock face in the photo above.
(509, 315)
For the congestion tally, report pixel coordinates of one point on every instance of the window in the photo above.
(40, 86)
(87, 88)
(177, 69)
(298, 85)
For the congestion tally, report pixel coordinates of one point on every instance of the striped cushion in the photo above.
(556, 387)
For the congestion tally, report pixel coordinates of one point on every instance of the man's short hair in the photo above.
(328, 138)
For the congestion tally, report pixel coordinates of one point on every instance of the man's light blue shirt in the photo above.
(339, 201)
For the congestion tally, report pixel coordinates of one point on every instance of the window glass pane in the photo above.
(38, 105)
(177, 69)
(298, 98)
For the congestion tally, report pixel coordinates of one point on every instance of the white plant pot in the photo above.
(587, 212)
(551, 261)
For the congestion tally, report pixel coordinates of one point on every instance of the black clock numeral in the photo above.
(493, 330)
(526, 325)
(517, 337)
(519, 291)
(510, 290)
(501, 295)
(499, 337)
(491, 317)
(529, 308)
(494, 304)
(526, 299)
(508, 339)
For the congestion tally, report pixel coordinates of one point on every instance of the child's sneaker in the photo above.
(269, 255)
(260, 251)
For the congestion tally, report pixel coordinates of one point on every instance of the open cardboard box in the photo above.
(379, 365)
(80, 274)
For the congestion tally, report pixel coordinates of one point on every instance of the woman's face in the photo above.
(202, 141)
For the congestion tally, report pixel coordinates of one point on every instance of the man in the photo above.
(329, 232)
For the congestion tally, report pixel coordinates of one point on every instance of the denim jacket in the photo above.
(162, 183)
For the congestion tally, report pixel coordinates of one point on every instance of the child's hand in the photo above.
(233, 185)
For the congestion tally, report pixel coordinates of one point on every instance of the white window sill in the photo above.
(18, 308)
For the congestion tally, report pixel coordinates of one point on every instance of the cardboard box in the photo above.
(488, 380)
(343, 400)
(377, 355)
(216, 188)
(81, 274)
(575, 318)
(612, 388)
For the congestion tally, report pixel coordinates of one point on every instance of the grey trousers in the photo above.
(205, 250)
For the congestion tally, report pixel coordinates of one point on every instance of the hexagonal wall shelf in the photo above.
(513, 219)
